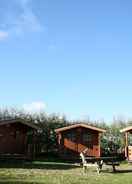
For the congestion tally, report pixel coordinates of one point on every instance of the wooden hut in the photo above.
(76, 138)
(128, 142)
(17, 137)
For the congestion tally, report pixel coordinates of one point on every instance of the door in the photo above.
(87, 141)
(19, 142)
(7, 140)
(130, 153)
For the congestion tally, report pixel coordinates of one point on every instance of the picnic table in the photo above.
(99, 161)
(113, 161)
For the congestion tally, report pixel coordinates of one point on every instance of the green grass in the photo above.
(61, 173)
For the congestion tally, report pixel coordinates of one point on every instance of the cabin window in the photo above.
(71, 136)
(87, 137)
(130, 139)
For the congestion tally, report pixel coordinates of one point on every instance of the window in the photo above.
(87, 137)
(130, 139)
(71, 136)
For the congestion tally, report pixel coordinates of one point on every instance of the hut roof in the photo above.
(80, 125)
(127, 129)
(11, 121)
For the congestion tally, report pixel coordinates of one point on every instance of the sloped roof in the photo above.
(11, 121)
(127, 129)
(80, 125)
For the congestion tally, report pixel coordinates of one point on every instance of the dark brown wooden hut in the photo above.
(79, 137)
(17, 137)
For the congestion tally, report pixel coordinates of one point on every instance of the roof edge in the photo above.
(11, 121)
(80, 125)
(127, 129)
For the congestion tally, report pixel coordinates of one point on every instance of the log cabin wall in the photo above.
(73, 141)
(13, 138)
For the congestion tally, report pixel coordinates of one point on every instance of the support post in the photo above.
(126, 144)
(34, 145)
(59, 137)
(99, 148)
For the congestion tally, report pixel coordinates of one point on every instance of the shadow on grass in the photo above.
(124, 171)
(37, 165)
(20, 182)
(118, 171)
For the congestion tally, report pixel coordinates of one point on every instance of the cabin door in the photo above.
(19, 142)
(130, 153)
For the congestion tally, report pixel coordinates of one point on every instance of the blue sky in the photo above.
(69, 57)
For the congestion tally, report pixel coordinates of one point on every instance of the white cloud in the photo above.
(3, 35)
(34, 107)
(18, 18)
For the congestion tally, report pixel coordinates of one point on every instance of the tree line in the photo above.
(111, 141)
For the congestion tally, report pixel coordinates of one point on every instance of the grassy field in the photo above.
(39, 172)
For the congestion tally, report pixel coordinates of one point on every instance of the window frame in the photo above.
(72, 136)
(87, 137)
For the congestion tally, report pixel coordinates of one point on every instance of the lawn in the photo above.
(39, 172)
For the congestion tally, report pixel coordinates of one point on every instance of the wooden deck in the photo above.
(14, 157)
